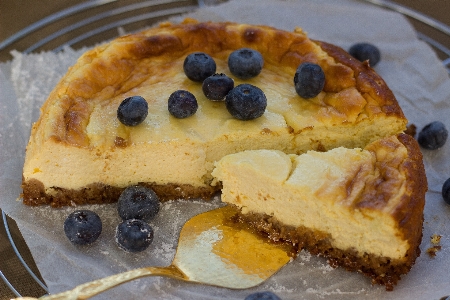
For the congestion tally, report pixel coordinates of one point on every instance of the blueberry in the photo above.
(262, 296)
(82, 227)
(245, 63)
(134, 235)
(217, 86)
(198, 66)
(309, 80)
(182, 104)
(433, 136)
(132, 111)
(138, 202)
(365, 51)
(446, 191)
(246, 102)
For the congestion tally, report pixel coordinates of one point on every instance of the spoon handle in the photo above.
(90, 289)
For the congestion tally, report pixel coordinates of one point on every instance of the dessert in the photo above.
(79, 152)
(362, 209)
(326, 168)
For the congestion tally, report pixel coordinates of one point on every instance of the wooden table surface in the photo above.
(18, 14)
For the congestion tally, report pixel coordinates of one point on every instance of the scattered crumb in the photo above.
(411, 130)
(432, 250)
(435, 239)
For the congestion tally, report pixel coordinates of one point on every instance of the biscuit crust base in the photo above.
(382, 270)
(34, 193)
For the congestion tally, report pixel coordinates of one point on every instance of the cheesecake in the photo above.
(360, 208)
(79, 152)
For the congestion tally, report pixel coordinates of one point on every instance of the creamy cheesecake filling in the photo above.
(79, 168)
(316, 190)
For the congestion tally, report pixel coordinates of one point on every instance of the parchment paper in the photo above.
(409, 66)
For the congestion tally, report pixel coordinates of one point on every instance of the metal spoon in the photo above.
(212, 249)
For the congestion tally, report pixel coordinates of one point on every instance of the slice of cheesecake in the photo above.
(79, 152)
(362, 209)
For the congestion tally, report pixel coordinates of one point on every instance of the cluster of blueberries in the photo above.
(244, 102)
(137, 205)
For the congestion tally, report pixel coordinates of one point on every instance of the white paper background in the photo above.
(410, 68)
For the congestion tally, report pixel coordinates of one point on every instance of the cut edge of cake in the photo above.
(395, 196)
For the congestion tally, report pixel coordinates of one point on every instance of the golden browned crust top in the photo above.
(368, 82)
(117, 67)
(378, 191)
(413, 200)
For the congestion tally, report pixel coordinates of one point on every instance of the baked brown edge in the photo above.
(367, 80)
(411, 212)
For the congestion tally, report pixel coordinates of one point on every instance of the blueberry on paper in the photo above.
(82, 227)
(365, 51)
(134, 235)
(217, 86)
(266, 295)
(198, 66)
(132, 111)
(433, 136)
(245, 63)
(138, 202)
(182, 104)
(309, 80)
(246, 102)
(446, 191)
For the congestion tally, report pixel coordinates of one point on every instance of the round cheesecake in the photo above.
(333, 173)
